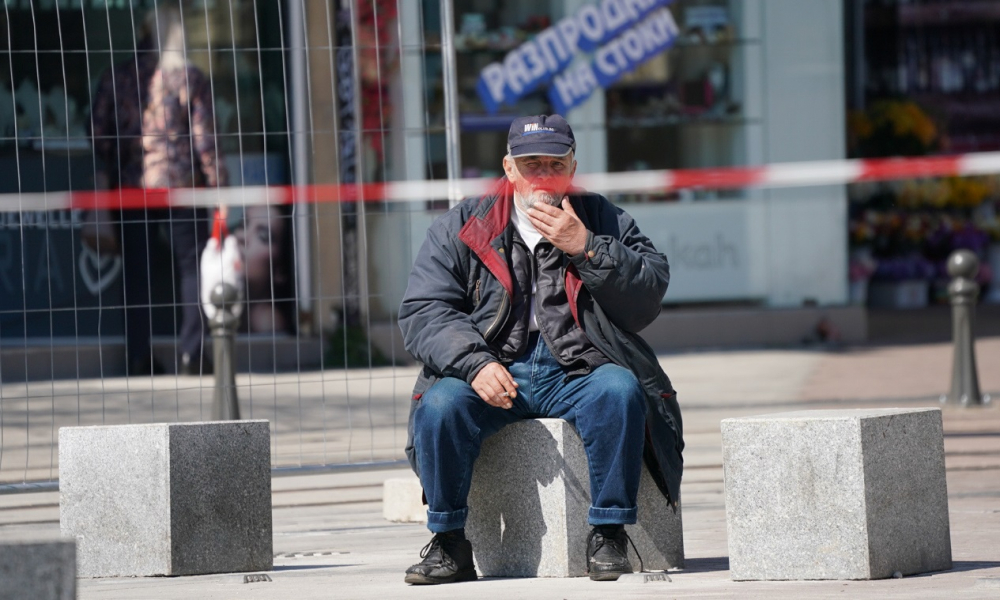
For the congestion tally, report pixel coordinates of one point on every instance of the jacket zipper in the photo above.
(475, 296)
(501, 315)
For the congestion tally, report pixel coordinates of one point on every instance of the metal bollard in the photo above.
(225, 405)
(963, 291)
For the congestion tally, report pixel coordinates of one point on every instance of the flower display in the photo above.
(902, 268)
(947, 192)
(902, 244)
(892, 128)
(905, 230)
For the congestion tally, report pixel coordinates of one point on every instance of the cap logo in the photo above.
(530, 128)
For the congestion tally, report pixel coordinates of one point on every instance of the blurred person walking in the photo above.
(153, 127)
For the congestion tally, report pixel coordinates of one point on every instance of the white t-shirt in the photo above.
(531, 237)
(528, 233)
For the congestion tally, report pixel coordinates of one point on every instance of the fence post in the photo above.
(225, 405)
(964, 291)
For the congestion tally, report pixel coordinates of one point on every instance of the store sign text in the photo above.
(711, 247)
(624, 33)
(713, 251)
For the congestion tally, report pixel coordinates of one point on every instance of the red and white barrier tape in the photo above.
(797, 174)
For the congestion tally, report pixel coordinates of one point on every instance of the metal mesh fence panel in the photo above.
(255, 101)
(324, 136)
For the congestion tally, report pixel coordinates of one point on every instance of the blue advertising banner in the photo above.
(622, 34)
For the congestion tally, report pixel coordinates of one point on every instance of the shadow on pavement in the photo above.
(705, 565)
(973, 565)
(289, 568)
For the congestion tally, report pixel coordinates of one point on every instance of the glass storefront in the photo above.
(52, 58)
(673, 85)
(924, 80)
(647, 85)
(662, 101)
(52, 55)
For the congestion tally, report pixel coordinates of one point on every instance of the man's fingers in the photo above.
(545, 211)
(568, 206)
(508, 384)
(539, 218)
(561, 226)
(543, 207)
(503, 379)
(544, 223)
(507, 388)
(493, 399)
(499, 400)
(490, 395)
(495, 385)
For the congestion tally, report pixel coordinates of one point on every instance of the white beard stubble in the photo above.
(529, 201)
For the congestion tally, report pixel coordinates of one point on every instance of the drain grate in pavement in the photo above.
(310, 554)
(256, 578)
(645, 577)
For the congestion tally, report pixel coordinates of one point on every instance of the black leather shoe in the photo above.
(607, 553)
(447, 559)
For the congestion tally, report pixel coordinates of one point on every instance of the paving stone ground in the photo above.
(330, 539)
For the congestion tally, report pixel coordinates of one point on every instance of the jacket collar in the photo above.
(489, 219)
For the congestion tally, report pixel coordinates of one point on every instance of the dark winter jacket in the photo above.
(459, 298)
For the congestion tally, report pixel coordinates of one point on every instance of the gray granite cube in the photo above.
(37, 566)
(403, 500)
(836, 494)
(529, 500)
(167, 499)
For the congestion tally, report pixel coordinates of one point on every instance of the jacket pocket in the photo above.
(424, 381)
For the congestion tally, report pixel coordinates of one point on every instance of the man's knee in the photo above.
(616, 397)
(620, 387)
(445, 402)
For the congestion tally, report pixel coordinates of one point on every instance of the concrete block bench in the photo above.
(37, 566)
(167, 499)
(528, 507)
(836, 494)
(403, 500)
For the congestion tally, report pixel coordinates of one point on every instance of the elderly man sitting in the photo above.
(527, 302)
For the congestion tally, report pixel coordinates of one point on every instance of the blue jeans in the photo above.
(607, 407)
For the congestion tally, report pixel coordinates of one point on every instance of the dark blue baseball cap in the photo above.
(541, 135)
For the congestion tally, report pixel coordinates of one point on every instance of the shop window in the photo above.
(685, 107)
(926, 80)
(675, 106)
(485, 31)
(53, 54)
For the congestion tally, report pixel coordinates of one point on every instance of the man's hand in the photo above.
(495, 386)
(561, 227)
